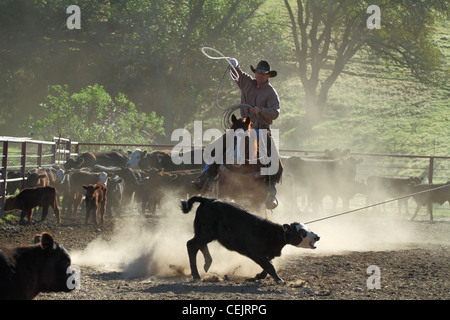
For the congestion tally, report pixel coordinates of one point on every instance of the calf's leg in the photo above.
(417, 210)
(192, 248)
(207, 256)
(56, 211)
(44, 213)
(268, 268)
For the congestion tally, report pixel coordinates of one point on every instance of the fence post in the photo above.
(23, 164)
(39, 157)
(430, 181)
(430, 170)
(53, 154)
(68, 147)
(4, 174)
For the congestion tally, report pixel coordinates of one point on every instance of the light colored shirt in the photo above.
(265, 97)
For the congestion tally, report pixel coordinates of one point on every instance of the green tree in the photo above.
(148, 49)
(92, 115)
(328, 33)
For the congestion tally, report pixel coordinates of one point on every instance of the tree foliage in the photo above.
(328, 33)
(150, 49)
(92, 115)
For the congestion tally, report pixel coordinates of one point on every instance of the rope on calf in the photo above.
(377, 204)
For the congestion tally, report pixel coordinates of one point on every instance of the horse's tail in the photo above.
(186, 205)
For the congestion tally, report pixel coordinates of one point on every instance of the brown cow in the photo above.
(95, 199)
(26, 271)
(30, 198)
(77, 179)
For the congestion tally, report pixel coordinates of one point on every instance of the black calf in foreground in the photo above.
(239, 230)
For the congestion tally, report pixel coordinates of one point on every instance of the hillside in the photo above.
(374, 107)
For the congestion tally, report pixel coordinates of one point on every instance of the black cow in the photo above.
(115, 194)
(162, 159)
(12, 186)
(37, 178)
(152, 189)
(105, 158)
(239, 230)
(26, 271)
(382, 188)
(317, 178)
(439, 196)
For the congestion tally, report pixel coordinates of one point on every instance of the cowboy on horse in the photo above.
(265, 108)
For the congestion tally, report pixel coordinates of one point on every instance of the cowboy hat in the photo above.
(264, 67)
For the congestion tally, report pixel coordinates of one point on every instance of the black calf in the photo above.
(239, 230)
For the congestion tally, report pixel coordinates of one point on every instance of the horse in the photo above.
(243, 182)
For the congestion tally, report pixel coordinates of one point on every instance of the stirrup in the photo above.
(271, 202)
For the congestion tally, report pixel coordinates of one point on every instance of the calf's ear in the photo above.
(46, 241)
(37, 239)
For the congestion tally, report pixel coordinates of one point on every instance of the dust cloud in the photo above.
(363, 230)
(138, 250)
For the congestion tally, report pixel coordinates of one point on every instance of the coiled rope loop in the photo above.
(228, 112)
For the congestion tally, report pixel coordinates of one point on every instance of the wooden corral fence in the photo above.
(22, 154)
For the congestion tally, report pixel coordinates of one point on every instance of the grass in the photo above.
(374, 107)
(9, 219)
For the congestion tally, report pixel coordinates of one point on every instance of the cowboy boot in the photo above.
(271, 200)
(207, 176)
(199, 182)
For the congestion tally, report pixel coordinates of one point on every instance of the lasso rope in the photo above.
(227, 112)
(377, 204)
(234, 76)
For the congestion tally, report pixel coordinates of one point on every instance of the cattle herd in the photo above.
(109, 181)
(122, 179)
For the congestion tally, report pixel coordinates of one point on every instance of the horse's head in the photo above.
(243, 123)
(245, 141)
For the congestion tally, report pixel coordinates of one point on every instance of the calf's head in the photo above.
(299, 235)
(90, 190)
(55, 265)
(10, 204)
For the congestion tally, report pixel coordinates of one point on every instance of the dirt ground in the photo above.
(135, 258)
